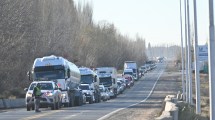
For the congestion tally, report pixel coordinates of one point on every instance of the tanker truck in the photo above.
(64, 73)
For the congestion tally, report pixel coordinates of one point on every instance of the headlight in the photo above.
(64, 96)
(48, 94)
(28, 94)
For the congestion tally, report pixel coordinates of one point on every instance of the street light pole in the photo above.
(186, 51)
(182, 55)
(196, 50)
(189, 56)
(211, 59)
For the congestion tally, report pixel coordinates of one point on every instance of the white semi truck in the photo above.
(108, 78)
(132, 65)
(64, 73)
(90, 77)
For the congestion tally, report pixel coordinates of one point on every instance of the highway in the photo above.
(140, 92)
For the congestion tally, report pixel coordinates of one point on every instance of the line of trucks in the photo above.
(64, 84)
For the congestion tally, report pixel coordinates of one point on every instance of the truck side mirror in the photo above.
(114, 81)
(26, 89)
(68, 73)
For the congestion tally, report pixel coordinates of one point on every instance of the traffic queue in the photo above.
(63, 84)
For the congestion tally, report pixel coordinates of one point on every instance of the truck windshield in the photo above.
(44, 86)
(50, 75)
(128, 73)
(32, 86)
(107, 82)
(86, 79)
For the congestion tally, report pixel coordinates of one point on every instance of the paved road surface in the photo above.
(129, 105)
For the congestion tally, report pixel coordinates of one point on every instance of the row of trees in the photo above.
(37, 28)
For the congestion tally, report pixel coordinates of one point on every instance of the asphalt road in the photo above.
(139, 93)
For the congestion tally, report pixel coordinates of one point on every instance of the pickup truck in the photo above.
(51, 95)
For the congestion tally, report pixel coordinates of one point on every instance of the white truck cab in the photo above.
(88, 76)
(108, 78)
(132, 65)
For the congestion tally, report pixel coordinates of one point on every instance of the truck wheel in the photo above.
(80, 101)
(91, 100)
(71, 102)
(66, 104)
(96, 99)
(28, 108)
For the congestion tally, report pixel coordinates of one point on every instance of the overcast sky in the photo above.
(158, 21)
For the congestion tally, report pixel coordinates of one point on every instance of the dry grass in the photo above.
(171, 67)
(187, 112)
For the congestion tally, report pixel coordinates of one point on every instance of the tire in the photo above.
(70, 102)
(66, 104)
(91, 101)
(96, 99)
(78, 101)
(99, 99)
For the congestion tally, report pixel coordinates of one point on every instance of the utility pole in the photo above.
(186, 51)
(211, 59)
(189, 56)
(182, 56)
(196, 50)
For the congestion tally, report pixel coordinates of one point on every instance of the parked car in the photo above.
(104, 95)
(88, 92)
(120, 87)
(83, 98)
(143, 70)
(51, 95)
(130, 78)
(128, 83)
(122, 80)
(108, 93)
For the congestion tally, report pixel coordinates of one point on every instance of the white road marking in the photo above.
(106, 116)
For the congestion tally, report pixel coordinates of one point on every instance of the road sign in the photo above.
(203, 52)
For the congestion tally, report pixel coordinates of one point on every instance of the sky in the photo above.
(156, 21)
